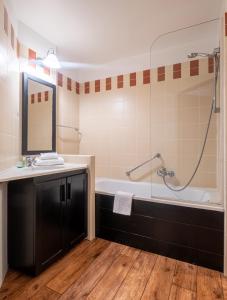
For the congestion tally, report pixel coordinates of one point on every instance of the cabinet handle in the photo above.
(69, 191)
(62, 193)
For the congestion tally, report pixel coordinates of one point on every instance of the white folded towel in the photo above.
(49, 162)
(123, 203)
(48, 155)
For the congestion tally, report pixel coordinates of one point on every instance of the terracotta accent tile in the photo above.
(133, 79)
(6, 20)
(177, 71)
(60, 79)
(69, 84)
(97, 86)
(18, 49)
(120, 81)
(77, 88)
(46, 70)
(194, 67)
(39, 97)
(46, 95)
(12, 36)
(108, 84)
(87, 87)
(226, 24)
(210, 65)
(146, 76)
(32, 98)
(177, 67)
(32, 56)
(161, 73)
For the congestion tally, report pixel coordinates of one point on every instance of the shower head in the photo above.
(192, 55)
(195, 54)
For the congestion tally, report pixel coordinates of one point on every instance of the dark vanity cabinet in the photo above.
(46, 216)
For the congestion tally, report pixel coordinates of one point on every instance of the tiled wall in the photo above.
(9, 91)
(15, 58)
(125, 120)
(67, 115)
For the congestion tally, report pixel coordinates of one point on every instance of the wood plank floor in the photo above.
(104, 270)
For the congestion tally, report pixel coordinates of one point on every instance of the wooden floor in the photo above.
(106, 270)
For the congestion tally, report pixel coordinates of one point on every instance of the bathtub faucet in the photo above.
(162, 172)
(158, 155)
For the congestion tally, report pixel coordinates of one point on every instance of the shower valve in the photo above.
(162, 172)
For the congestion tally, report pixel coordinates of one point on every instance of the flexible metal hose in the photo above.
(213, 108)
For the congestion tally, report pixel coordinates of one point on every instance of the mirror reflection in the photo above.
(40, 101)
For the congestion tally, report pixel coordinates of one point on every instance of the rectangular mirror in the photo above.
(38, 115)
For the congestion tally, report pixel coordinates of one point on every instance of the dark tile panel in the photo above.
(87, 87)
(97, 86)
(60, 79)
(108, 84)
(210, 65)
(69, 84)
(77, 88)
(120, 81)
(194, 67)
(201, 238)
(190, 255)
(133, 79)
(174, 213)
(161, 73)
(146, 76)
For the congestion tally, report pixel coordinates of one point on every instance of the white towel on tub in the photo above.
(123, 203)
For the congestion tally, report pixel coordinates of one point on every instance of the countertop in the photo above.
(15, 173)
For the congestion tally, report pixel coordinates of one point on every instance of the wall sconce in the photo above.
(51, 60)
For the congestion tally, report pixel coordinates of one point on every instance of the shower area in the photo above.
(184, 121)
(165, 132)
(162, 143)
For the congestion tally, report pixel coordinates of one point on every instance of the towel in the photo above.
(123, 203)
(49, 162)
(50, 155)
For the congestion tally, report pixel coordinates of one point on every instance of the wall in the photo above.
(125, 125)
(9, 117)
(9, 91)
(67, 115)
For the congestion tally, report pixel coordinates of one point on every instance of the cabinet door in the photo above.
(50, 203)
(76, 209)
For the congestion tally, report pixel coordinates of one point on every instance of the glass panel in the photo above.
(181, 101)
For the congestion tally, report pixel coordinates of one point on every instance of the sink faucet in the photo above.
(29, 160)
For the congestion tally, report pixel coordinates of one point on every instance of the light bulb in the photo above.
(51, 61)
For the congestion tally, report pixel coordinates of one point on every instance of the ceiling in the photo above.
(101, 31)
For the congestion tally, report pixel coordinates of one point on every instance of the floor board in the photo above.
(105, 270)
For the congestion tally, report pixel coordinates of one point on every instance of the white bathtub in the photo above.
(206, 198)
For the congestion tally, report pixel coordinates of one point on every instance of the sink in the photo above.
(36, 168)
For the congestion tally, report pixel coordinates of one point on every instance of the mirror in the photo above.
(38, 115)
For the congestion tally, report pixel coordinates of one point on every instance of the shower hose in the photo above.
(199, 160)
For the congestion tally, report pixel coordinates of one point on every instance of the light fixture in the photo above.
(51, 60)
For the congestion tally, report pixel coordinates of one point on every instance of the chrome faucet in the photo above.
(162, 172)
(29, 160)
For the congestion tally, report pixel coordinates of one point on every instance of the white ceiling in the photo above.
(101, 31)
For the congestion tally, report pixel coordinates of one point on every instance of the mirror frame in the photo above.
(25, 78)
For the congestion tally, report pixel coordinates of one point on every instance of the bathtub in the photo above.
(206, 198)
(185, 225)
